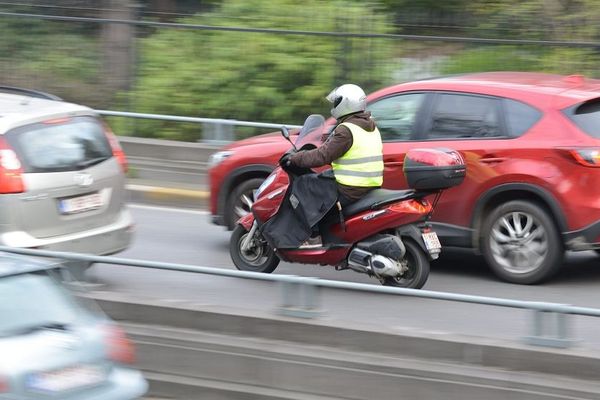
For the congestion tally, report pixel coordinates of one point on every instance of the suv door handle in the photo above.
(492, 160)
(392, 162)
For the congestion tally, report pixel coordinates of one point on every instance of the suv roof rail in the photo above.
(29, 92)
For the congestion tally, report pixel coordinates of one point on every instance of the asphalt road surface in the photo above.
(187, 237)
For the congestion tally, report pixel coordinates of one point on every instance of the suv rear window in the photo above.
(586, 116)
(61, 145)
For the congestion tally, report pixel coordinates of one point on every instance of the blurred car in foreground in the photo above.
(54, 347)
(62, 177)
(532, 146)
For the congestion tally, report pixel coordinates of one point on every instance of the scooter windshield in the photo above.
(312, 131)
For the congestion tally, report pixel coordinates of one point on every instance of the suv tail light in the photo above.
(116, 147)
(589, 157)
(11, 170)
(118, 347)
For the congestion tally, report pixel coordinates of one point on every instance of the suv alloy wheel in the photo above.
(521, 243)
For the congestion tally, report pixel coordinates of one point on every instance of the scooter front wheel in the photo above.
(259, 257)
(418, 268)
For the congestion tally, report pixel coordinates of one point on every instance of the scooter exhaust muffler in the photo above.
(360, 261)
(381, 262)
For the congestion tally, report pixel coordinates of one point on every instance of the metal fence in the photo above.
(101, 56)
(300, 295)
(104, 53)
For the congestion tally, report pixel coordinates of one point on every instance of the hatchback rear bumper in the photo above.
(108, 239)
(123, 384)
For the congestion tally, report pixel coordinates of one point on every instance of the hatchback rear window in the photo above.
(34, 301)
(587, 117)
(60, 145)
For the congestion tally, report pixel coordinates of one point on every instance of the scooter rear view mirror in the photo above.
(286, 134)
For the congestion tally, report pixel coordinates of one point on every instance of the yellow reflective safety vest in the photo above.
(362, 165)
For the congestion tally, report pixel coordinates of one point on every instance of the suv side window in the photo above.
(519, 117)
(396, 116)
(457, 116)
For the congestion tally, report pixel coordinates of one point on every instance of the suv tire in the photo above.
(521, 243)
(240, 200)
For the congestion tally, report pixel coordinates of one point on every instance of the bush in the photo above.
(257, 76)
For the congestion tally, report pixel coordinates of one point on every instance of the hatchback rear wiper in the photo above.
(91, 161)
(52, 326)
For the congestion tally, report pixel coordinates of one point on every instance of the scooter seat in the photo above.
(377, 198)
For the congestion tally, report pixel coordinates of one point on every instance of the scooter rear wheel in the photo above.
(259, 258)
(418, 268)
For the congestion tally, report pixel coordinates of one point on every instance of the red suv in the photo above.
(532, 147)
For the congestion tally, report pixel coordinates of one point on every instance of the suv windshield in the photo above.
(587, 117)
(62, 145)
(34, 301)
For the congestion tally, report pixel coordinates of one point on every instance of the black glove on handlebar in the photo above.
(285, 161)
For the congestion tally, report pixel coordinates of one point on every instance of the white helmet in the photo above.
(347, 99)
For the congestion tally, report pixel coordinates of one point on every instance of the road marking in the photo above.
(169, 191)
(171, 209)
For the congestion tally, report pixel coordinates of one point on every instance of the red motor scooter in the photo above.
(385, 234)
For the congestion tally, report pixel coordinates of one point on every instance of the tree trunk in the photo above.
(118, 46)
(166, 8)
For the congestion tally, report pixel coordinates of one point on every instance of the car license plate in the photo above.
(79, 204)
(65, 379)
(431, 241)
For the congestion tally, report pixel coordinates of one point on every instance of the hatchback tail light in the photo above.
(118, 347)
(11, 170)
(589, 157)
(4, 386)
(116, 148)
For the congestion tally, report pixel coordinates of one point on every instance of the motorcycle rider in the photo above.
(354, 149)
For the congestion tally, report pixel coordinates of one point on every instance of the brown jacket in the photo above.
(336, 145)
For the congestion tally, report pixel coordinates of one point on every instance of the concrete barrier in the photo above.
(167, 160)
(167, 172)
(190, 352)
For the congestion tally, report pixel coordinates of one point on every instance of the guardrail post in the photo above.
(217, 132)
(300, 299)
(550, 329)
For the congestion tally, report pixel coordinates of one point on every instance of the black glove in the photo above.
(286, 161)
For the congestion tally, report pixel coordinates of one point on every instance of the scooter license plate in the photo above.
(431, 241)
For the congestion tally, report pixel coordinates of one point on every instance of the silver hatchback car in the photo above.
(52, 346)
(62, 177)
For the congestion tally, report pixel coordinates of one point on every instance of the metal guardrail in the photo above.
(194, 119)
(363, 35)
(300, 295)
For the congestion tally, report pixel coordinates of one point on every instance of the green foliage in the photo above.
(537, 19)
(276, 77)
(569, 61)
(494, 58)
(406, 6)
(48, 55)
(257, 76)
(549, 20)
